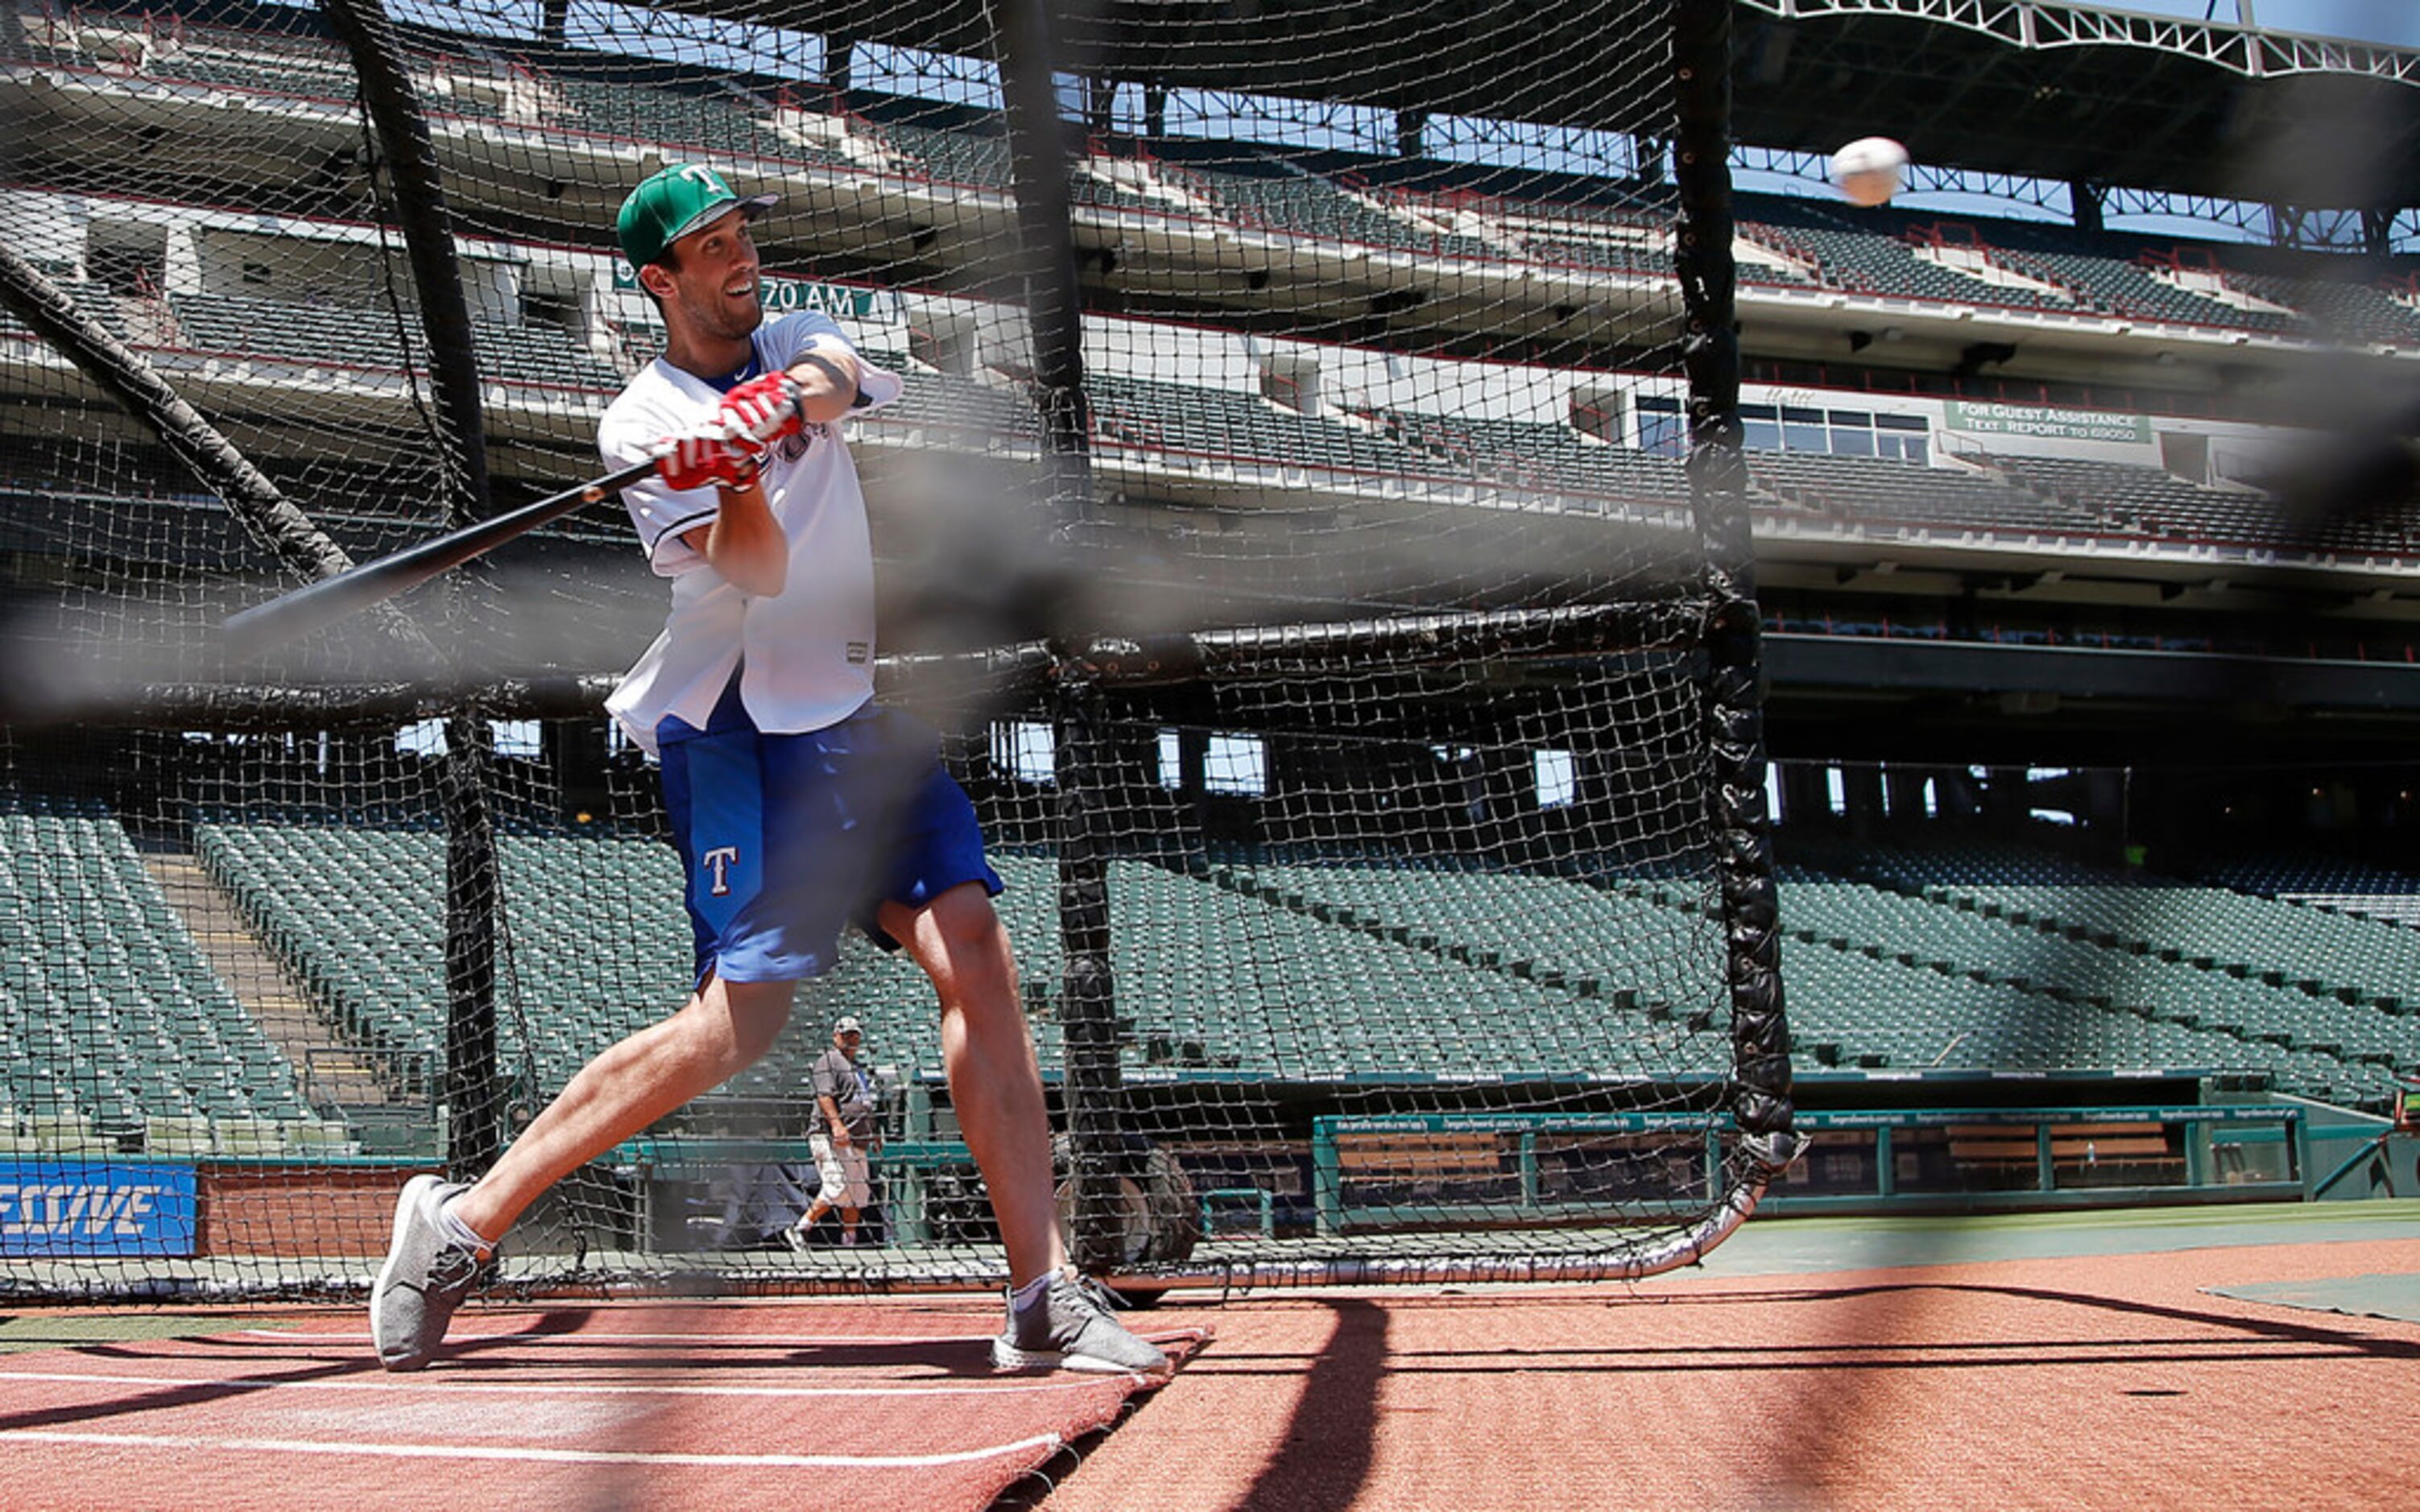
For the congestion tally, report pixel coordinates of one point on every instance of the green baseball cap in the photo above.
(674, 201)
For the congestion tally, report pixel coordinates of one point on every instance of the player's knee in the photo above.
(968, 936)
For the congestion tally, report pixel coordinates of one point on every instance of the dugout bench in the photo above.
(1414, 1170)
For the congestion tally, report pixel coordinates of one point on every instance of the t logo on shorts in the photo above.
(719, 861)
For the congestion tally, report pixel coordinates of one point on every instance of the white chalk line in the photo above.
(507, 1336)
(1047, 1442)
(453, 1385)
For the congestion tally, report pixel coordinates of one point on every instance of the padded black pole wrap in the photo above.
(409, 157)
(1735, 696)
(1044, 255)
(120, 372)
(472, 879)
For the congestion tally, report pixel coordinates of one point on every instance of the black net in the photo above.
(1335, 683)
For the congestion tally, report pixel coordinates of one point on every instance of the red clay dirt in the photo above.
(709, 1406)
(2100, 1381)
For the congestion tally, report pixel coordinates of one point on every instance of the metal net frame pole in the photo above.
(1734, 694)
(1092, 1084)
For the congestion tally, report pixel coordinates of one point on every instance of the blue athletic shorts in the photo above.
(786, 839)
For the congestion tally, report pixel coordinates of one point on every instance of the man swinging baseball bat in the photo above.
(799, 807)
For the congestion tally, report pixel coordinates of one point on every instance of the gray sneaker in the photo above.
(1069, 1327)
(426, 1277)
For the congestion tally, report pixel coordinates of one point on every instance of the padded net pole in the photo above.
(121, 373)
(1046, 258)
(473, 883)
(1718, 490)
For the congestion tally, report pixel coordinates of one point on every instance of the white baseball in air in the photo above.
(1870, 170)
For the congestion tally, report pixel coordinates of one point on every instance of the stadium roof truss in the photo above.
(2052, 90)
(2255, 53)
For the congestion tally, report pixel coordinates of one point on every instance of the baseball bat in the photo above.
(317, 605)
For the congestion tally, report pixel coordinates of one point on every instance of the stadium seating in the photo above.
(599, 948)
(957, 413)
(2156, 502)
(354, 336)
(250, 61)
(2343, 309)
(94, 299)
(2321, 1007)
(355, 913)
(1276, 195)
(2338, 886)
(975, 159)
(540, 354)
(718, 123)
(1935, 959)
(1851, 255)
(1600, 237)
(116, 1019)
(1537, 455)
(1874, 490)
(1108, 182)
(2135, 290)
(1559, 976)
(1221, 429)
(1331, 197)
(1392, 205)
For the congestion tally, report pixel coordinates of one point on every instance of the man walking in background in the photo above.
(799, 807)
(843, 1140)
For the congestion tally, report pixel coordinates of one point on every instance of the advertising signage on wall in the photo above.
(782, 295)
(73, 1208)
(2045, 424)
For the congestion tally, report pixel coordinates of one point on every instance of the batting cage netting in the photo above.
(1314, 519)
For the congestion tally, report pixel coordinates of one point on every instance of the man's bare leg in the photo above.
(988, 1051)
(719, 1033)
(1054, 1323)
(441, 1233)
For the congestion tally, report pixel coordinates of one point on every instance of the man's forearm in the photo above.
(746, 543)
(827, 381)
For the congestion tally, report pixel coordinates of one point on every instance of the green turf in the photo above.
(56, 1328)
(2356, 1296)
(1767, 1247)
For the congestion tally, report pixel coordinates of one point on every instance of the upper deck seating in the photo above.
(1880, 490)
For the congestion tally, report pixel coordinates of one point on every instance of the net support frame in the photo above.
(278, 524)
(473, 875)
(1045, 256)
(1694, 631)
(1717, 473)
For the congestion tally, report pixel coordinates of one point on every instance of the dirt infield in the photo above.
(2061, 1360)
(2085, 1380)
(701, 1406)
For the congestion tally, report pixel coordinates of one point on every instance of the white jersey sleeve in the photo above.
(782, 340)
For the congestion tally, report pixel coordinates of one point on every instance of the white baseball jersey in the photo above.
(808, 650)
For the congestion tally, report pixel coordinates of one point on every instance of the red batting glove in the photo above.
(763, 409)
(694, 461)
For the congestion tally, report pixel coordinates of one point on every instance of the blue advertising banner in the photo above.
(71, 1208)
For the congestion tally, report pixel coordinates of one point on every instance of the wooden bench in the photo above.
(1385, 1158)
(2070, 1143)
